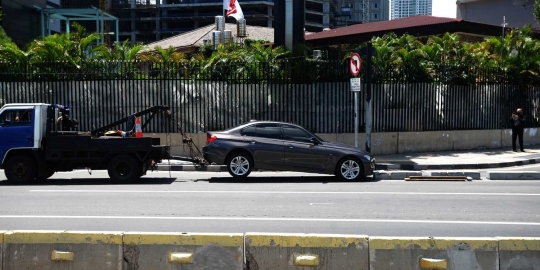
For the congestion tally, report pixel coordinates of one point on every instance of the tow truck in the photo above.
(37, 140)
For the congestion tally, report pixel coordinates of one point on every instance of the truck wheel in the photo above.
(124, 169)
(20, 169)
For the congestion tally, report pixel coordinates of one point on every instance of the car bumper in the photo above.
(369, 167)
(212, 156)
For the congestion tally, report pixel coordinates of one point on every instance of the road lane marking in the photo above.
(278, 219)
(280, 192)
(314, 203)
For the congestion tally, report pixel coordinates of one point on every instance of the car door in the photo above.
(302, 150)
(265, 144)
(16, 129)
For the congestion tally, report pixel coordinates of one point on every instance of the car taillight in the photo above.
(210, 138)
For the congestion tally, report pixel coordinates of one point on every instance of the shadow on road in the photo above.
(283, 179)
(93, 182)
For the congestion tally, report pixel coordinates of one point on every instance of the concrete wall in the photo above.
(62, 250)
(519, 253)
(81, 250)
(161, 251)
(295, 251)
(395, 142)
(386, 253)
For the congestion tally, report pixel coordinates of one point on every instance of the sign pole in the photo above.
(356, 86)
(356, 119)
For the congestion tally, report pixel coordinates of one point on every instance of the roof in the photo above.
(419, 25)
(196, 37)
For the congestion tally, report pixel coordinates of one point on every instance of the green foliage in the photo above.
(405, 58)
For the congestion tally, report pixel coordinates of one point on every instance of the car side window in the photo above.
(292, 133)
(17, 117)
(269, 131)
(249, 131)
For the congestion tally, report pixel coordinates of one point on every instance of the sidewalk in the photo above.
(467, 159)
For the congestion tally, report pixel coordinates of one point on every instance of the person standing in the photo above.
(518, 125)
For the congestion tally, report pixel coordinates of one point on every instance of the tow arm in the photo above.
(195, 154)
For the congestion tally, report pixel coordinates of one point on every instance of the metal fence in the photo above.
(310, 93)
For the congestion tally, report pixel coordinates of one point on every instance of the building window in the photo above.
(375, 5)
(375, 16)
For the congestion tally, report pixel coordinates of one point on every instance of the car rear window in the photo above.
(269, 131)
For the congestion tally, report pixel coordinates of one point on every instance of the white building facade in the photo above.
(407, 8)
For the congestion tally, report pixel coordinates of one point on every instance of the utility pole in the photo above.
(504, 24)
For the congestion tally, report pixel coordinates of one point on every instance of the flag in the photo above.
(234, 10)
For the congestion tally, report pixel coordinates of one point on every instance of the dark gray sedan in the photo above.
(284, 147)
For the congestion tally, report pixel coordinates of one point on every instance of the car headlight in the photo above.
(367, 157)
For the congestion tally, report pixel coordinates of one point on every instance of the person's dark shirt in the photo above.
(519, 123)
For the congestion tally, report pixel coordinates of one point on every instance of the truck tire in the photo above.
(124, 169)
(20, 169)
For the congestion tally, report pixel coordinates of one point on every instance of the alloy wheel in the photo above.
(239, 165)
(350, 169)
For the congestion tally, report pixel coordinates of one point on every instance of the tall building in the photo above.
(22, 21)
(407, 8)
(515, 15)
(377, 10)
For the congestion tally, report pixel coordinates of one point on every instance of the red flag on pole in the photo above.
(235, 10)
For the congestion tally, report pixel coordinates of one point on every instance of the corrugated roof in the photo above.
(413, 21)
(196, 37)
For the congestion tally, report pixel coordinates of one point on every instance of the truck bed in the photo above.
(73, 150)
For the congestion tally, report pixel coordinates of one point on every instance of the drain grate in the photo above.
(436, 178)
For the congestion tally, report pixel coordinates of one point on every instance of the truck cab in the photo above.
(22, 127)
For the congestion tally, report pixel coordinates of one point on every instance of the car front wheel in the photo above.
(239, 165)
(350, 169)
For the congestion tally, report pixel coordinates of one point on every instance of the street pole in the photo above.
(356, 119)
(369, 114)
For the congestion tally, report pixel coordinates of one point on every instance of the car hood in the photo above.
(346, 147)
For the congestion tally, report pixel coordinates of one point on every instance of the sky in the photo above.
(444, 8)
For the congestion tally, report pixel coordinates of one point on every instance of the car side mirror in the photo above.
(314, 141)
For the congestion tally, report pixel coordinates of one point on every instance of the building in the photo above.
(407, 8)
(418, 26)
(516, 16)
(147, 21)
(377, 10)
(22, 21)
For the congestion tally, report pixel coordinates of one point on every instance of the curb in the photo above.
(520, 175)
(417, 167)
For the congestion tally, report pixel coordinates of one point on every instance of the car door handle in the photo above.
(290, 146)
(253, 142)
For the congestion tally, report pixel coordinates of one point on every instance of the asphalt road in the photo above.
(273, 202)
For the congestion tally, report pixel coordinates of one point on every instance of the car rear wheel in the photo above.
(239, 165)
(350, 169)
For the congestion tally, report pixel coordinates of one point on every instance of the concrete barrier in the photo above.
(296, 251)
(62, 250)
(519, 253)
(183, 251)
(1, 247)
(432, 253)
